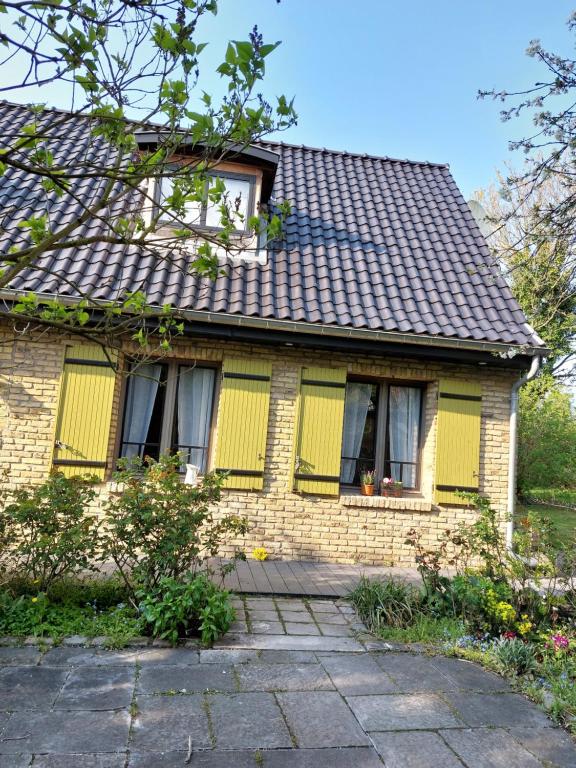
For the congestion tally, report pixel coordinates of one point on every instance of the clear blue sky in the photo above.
(400, 78)
(394, 78)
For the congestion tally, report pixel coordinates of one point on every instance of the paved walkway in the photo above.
(308, 579)
(295, 685)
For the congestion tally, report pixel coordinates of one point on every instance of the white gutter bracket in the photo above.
(513, 450)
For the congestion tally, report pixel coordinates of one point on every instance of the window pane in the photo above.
(193, 210)
(403, 434)
(194, 413)
(143, 412)
(359, 436)
(237, 198)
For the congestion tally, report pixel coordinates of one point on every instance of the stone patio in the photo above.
(296, 684)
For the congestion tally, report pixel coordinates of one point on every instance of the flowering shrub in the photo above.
(46, 530)
(159, 527)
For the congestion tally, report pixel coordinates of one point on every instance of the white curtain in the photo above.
(142, 390)
(403, 421)
(195, 393)
(355, 412)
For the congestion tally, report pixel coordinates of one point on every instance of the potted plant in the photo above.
(386, 486)
(367, 482)
(391, 487)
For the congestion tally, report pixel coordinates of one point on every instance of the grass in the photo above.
(425, 629)
(563, 519)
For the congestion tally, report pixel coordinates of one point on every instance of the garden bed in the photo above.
(159, 533)
(514, 613)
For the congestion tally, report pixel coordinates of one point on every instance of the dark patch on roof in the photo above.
(371, 243)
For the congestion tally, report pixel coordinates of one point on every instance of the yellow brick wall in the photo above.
(289, 525)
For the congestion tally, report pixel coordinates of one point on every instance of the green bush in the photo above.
(546, 438)
(483, 603)
(386, 603)
(177, 609)
(561, 496)
(46, 532)
(157, 527)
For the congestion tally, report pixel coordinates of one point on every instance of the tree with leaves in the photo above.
(533, 217)
(126, 68)
(539, 264)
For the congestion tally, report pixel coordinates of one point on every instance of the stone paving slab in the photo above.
(19, 656)
(189, 679)
(294, 616)
(415, 711)
(290, 643)
(62, 732)
(303, 629)
(414, 673)
(235, 759)
(30, 687)
(496, 710)
(164, 723)
(102, 760)
(283, 677)
(271, 614)
(287, 657)
(354, 675)
(248, 721)
(227, 656)
(91, 688)
(353, 757)
(414, 749)
(267, 628)
(334, 630)
(465, 674)
(321, 719)
(66, 657)
(16, 761)
(489, 748)
(547, 744)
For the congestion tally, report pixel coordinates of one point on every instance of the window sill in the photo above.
(411, 502)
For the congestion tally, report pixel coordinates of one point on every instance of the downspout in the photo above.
(535, 365)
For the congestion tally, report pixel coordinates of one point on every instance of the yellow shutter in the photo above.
(458, 440)
(319, 432)
(84, 412)
(243, 422)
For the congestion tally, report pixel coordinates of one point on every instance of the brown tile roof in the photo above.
(372, 243)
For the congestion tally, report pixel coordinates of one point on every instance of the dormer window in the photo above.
(239, 196)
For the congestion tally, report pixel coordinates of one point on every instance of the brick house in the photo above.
(374, 335)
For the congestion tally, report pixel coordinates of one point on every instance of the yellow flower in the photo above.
(524, 626)
(505, 612)
(259, 554)
(34, 599)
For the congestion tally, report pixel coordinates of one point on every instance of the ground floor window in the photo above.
(169, 408)
(382, 432)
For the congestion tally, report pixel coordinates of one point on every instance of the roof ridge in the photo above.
(323, 150)
(347, 153)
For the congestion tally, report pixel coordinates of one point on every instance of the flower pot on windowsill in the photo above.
(393, 489)
(367, 490)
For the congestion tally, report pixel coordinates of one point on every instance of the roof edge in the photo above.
(502, 349)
